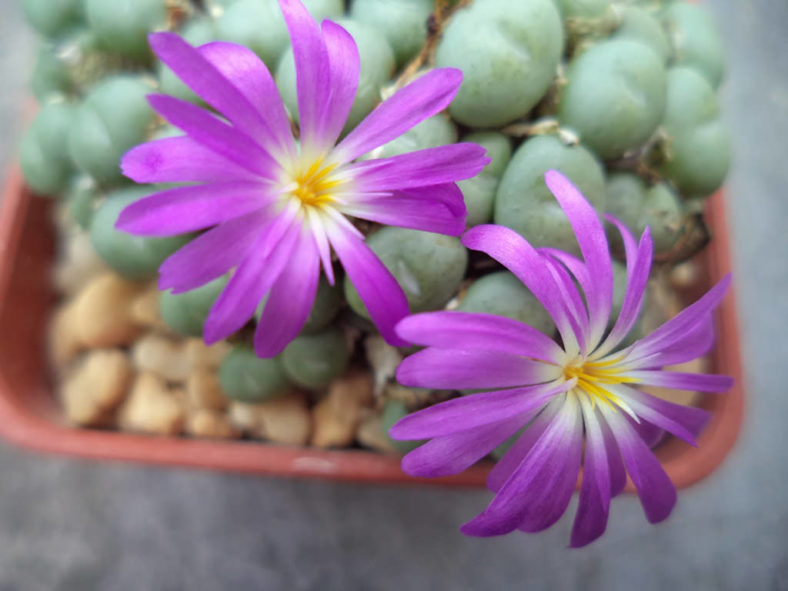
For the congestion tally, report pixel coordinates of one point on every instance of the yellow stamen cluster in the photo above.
(314, 184)
(591, 378)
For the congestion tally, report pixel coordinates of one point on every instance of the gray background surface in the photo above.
(67, 524)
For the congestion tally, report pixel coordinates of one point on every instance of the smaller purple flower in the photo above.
(275, 209)
(579, 400)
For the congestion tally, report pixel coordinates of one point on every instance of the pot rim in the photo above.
(25, 421)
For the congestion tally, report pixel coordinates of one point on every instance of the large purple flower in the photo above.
(275, 208)
(581, 391)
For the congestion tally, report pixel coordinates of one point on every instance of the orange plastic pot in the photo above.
(30, 415)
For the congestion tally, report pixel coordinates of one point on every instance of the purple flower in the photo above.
(579, 391)
(273, 208)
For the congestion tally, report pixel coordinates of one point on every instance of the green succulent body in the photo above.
(185, 313)
(245, 377)
(525, 204)
(134, 257)
(113, 118)
(403, 22)
(479, 191)
(429, 267)
(697, 154)
(614, 97)
(502, 294)
(313, 361)
(508, 53)
(43, 155)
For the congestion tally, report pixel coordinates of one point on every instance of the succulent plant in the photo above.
(618, 95)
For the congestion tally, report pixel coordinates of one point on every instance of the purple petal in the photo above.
(211, 254)
(593, 245)
(430, 166)
(451, 454)
(206, 78)
(405, 211)
(576, 311)
(290, 300)
(313, 74)
(248, 73)
(648, 432)
(516, 254)
(254, 276)
(675, 329)
(345, 66)
(215, 135)
(695, 343)
(683, 381)
(615, 464)
(179, 160)
(594, 503)
(456, 370)
(321, 243)
(193, 207)
(539, 490)
(685, 422)
(422, 98)
(515, 455)
(376, 286)
(638, 269)
(473, 411)
(465, 330)
(656, 491)
(447, 193)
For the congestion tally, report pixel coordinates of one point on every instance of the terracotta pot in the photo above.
(30, 416)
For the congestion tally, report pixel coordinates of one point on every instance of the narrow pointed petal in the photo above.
(638, 269)
(697, 342)
(290, 300)
(206, 129)
(193, 207)
(451, 454)
(209, 82)
(474, 410)
(179, 160)
(447, 193)
(241, 66)
(538, 492)
(254, 276)
(685, 422)
(430, 166)
(345, 67)
(313, 73)
(575, 308)
(424, 97)
(515, 455)
(321, 243)
(656, 491)
(211, 254)
(615, 463)
(380, 292)
(593, 507)
(465, 330)
(675, 329)
(516, 254)
(463, 369)
(408, 212)
(593, 245)
(649, 433)
(683, 381)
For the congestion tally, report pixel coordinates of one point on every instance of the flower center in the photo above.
(314, 185)
(593, 376)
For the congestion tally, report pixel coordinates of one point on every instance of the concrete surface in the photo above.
(66, 524)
